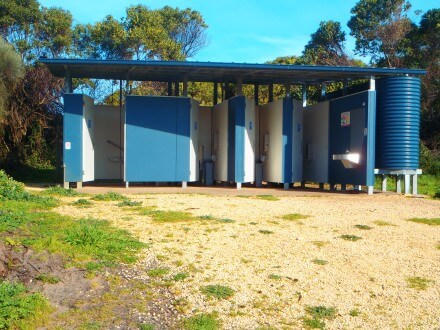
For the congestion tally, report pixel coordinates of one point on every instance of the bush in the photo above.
(429, 161)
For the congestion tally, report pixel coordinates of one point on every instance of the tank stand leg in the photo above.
(407, 184)
(321, 185)
(286, 186)
(79, 185)
(343, 187)
(332, 187)
(126, 184)
(184, 184)
(238, 185)
(157, 184)
(399, 184)
(66, 185)
(384, 183)
(414, 184)
(370, 190)
(303, 184)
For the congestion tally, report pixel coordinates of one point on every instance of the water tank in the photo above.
(398, 123)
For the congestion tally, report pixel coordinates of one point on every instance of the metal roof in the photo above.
(214, 72)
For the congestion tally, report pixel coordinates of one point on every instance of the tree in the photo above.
(380, 27)
(11, 71)
(17, 19)
(327, 46)
(53, 32)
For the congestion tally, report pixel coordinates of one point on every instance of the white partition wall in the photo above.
(297, 141)
(316, 142)
(194, 141)
(88, 149)
(271, 140)
(249, 141)
(220, 141)
(205, 136)
(109, 142)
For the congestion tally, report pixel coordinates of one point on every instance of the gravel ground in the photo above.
(271, 264)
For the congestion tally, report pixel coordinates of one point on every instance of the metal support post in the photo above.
(240, 86)
(184, 184)
(399, 184)
(170, 88)
(304, 95)
(384, 183)
(79, 185)
(407, 184)
(370, 190)
(414, 184)
(286, 186)
(270, 92)
(185, 87)
(287, 90)
(238, 185)
(215, 100)
(323, 90)
(176, 88)
(256, 93)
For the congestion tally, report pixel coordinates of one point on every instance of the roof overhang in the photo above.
(168, 71)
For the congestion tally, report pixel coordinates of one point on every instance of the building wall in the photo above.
(88, 139)
(220, 141)
(194, 141)
(249, 141)
(205, 136)
(297, 141)
(316, 142)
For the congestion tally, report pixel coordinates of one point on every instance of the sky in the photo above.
(243, 31)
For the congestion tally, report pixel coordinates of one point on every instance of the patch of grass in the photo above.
(146, 326)
(363, 227)
(243, 196)
(275, 277)
(321, 312)
(320, 262)
(418, 283)
(265, 232)
(108, 197)
(180, 276)
(294, 216)
(47, 278)
(20, 309)
(225, 220)
(268, 197)
(202, 322)
(206, 217)
(317, 315)
(127, 202)
(158, 272)
(313, 323)
(253, 223)
(351, 238)
(354, 312)
(82, 202)
(319, 244)
(426, 221)
(217, 291)
(171, 216)
(382, 223)
(60, 191)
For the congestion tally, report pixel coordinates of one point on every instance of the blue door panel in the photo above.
(72, 137)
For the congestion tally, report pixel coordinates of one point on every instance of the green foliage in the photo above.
(60, 191)
(82, 202)
(31, 174)
(354, 312)
(202, 322)
(267, 197)
(275, 277)
(15, 191)
(20, 309)
(11, 71)
(47, 278)
(426, 221)
(429, 162)
(379, 27)
(225, 220)
(217, 291)
(294, 216)
(171, 216)
(320, 262)
(363, 227)
(158, 272)
(418, 283)
(317, 315)
(265, 232)
(382, 223)
(110, 196)
(146, 326)
(180, 276)
(128, 202)
(351, 238)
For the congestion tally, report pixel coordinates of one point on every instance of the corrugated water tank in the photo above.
(398, 123)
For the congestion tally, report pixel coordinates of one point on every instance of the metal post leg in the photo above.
(126, 184)
(286, 186)
(384, 183)
(399, 184)
(238, 185)
(414, 184)
(184, 184)
(370, 190)
(66, 185)
(79, 185)
(407, 184)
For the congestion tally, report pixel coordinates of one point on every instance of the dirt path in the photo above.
(279, 267)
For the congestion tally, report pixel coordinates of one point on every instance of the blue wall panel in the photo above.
(157, 139)
(287, 140)
(358, 137)
(72, 137)
(236, 132)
